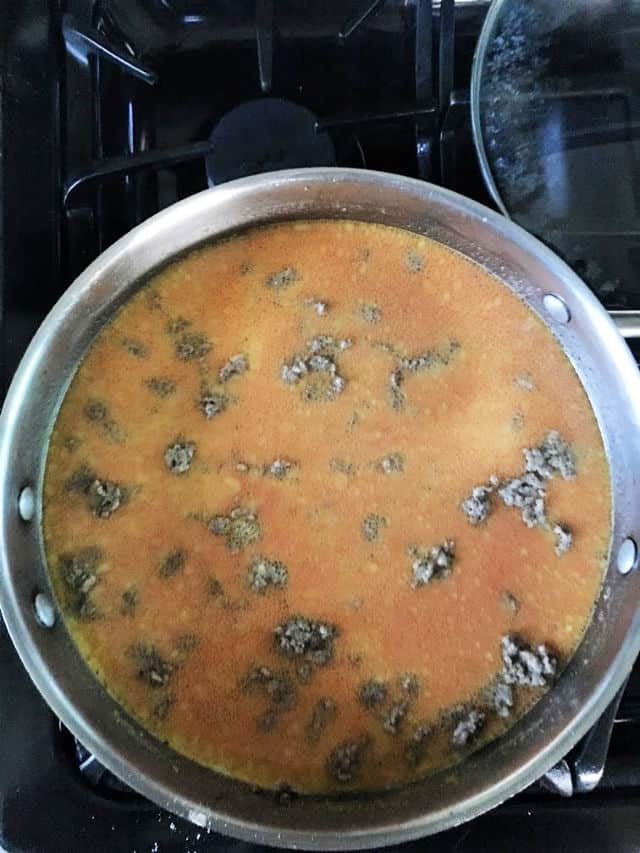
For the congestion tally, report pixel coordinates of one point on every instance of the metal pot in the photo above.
(487, 777)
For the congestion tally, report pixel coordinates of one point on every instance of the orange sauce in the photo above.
(160, 581)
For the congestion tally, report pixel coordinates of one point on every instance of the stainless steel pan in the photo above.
(584, 689)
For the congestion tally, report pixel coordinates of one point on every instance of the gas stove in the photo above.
(112, 110)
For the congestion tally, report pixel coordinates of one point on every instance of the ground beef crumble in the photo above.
(265, 573)
(161, 385)
(477, 505)
(370, 312)
(409, 684)
(372, 525)
(235, 366)
(392, 463)
(282, 279)
(318, 367)
(553, 456)
(213, 402)
(215, 588)
(267, 722)
(510, 603)
(416, 747)
(344, 762)
(129, 602)
(98, 413)
(150, 665)
(104, 498)
(135, 348)
(179, 455)
(343, 466)
(79, 573)
(414, 364)
(372, 693)
(431, 563)
(394, 717)
(414, 261)
(499, 696)
(279, 468)
(278, 687)
(525, 382)
(526, 666)
(240, 528)
(318, 305)
(563, 538)
(467, 725)
(79, 570)
(527, 492)
(172, 563)
(191, 345)
(306, 638)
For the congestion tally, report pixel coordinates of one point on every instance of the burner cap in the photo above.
(266, 135)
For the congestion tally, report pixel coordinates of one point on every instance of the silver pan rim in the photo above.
(304, 823)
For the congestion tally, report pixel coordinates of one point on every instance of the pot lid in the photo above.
(556, 114)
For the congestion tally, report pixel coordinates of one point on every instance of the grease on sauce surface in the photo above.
(294, 541)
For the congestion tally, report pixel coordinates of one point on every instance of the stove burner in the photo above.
(92, 771)
(264, 135)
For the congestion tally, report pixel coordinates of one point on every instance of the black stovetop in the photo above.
(112, 110)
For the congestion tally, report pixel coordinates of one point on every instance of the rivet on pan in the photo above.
(556, 307)
(26, 504)
(627, 558)
(44, 610)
